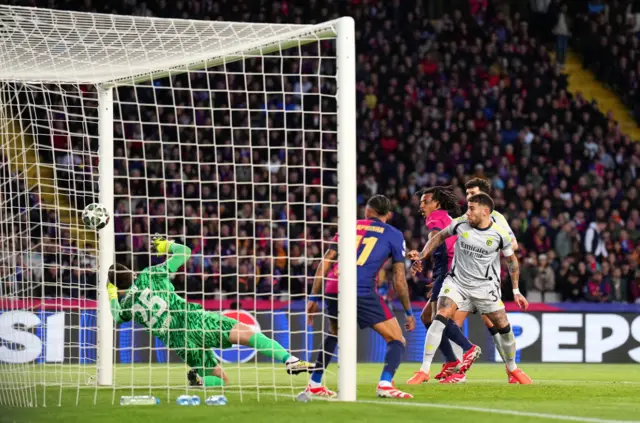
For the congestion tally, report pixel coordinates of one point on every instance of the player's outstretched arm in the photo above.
(431, 246)
(402, 289)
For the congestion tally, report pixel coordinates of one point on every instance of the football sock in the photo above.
(432, 341)
(445, 347)
(324, 358)
(395, 350)
(457, 350)
(497, 341)
(508, 341)
(212, 381)
(268, 347)
(453, 332)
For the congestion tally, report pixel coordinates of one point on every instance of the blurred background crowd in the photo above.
(445, 92)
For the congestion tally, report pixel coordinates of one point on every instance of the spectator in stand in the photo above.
(619, 287)
(593, 241)
(545, 280)
(573, 288)
(562, 33)
(598, 289)
(563, 243)
(528, 274)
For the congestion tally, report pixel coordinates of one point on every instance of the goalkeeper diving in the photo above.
(149, 298)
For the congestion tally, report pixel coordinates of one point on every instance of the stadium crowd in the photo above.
(472, 94)
(606, 35)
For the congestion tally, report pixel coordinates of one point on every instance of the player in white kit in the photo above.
(472, 283)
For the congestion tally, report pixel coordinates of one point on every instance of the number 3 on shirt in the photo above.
(369, 243)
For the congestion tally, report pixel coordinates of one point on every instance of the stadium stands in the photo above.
(440, 101)
(606, 35)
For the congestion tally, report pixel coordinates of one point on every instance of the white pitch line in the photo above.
(499, 411)
(562, 381)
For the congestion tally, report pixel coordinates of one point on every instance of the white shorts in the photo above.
(485, 298)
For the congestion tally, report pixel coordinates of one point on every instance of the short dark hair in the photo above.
(445, 196)
(483, 184)
(121, 276)
(379, 204)
(482, 199)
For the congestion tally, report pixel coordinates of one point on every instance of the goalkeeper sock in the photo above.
(212, 381)
(446, 349)
(269, 347)
(324, 358)
(454, 333)
(508, 341)
(395, 350)
(432, 341)
(497, 341)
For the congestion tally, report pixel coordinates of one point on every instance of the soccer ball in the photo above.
(95, 216)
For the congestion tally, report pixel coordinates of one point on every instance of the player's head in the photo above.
(476, 186)
(479, 210)
(438, 197)
(378, 207)
(121, 276)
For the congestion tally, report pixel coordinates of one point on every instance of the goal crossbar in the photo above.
(51, 46)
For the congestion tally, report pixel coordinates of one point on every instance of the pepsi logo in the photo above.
(238, 353)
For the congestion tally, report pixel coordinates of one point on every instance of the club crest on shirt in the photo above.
(489, 242)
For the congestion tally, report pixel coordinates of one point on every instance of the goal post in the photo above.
(237, 139)
(106, 248)
(348, 304)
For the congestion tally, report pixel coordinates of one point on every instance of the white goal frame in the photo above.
(51, 61)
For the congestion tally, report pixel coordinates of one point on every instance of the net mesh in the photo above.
(235, 158)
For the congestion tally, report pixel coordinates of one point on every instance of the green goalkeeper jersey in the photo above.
(152, 301)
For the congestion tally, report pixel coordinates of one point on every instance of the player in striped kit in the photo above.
(377, 242)
(435, 203)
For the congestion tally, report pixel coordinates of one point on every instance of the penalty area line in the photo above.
(499, 411)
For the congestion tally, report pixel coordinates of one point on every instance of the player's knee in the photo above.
(446, 312)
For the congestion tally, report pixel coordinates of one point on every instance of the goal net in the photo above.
(221, 136)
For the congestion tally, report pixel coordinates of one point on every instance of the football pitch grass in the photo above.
(594, 393)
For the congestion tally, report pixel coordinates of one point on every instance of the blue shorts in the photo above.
(437, 286)
(371, 309)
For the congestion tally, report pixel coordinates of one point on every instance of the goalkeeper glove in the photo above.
(113, 291)
(160, 244)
